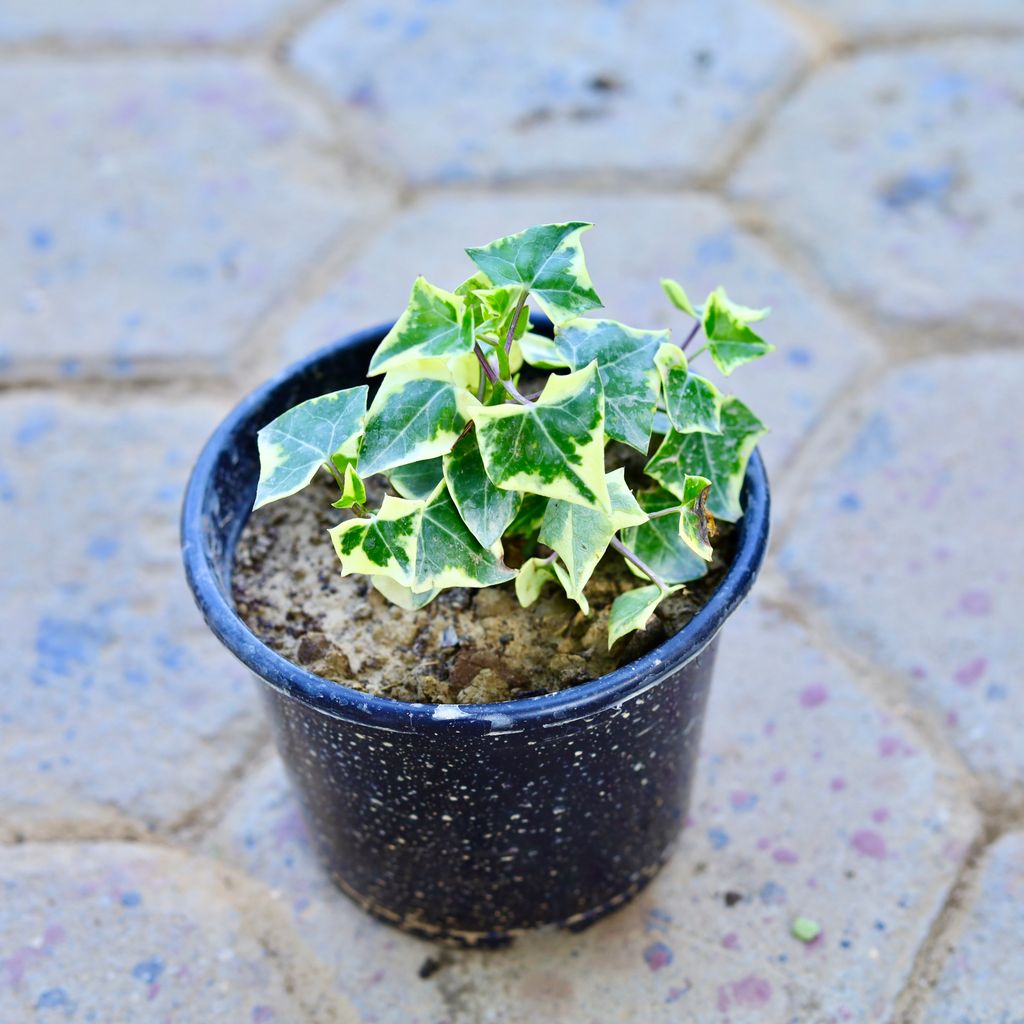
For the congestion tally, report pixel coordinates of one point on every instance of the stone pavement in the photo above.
(196, 193)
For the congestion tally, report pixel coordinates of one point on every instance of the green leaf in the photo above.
(632, 609)
(694, 524)
(402, 596)
(538, 571)
(478, 282)
(625, 360)
(296, 444)
(529, 517)
(417, 414)
(487, 510)
(434, 325)
(554, 447)
(691, 402)
(541, 352)
(658, 542)
(417, 479)
(548, 261)
(730, 341)
(721, 458)
(448, 555)
(354, 491)
(580, 536)
(383, 544)
(678, 297)
(495, 308)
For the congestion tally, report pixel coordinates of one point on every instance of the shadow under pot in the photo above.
(469, 823)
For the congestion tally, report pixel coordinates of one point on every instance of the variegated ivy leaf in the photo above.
(625, 360)
(402, 596)
(691, 402)
(487, 510)
(731, 342)
(580, 536)
(538, 571)
(434, 325)
(553, 447)
(633, 609)
(383, 544)
(696, 524)
(658, 542)
(296, 444)
(353, 491)
(417, 414)
(547, 261)
(448, 555)
(541, 352)
(417, 479)
(721, 458)
(678, 297)
(477, 282)
(496, 307)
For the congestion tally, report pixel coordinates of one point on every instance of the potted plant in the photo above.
(478, 766)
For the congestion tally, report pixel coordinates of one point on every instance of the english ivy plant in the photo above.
(469, 461)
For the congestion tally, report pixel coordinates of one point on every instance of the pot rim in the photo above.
(339, 701)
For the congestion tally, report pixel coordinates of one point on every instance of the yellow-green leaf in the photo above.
(448, 555)
(633, 609)
(434, 325)
(353, 491)
(678, 297)
(383, 544)
(417, 414)
(625, 361)
(691, 402)
(535, 572)
(547, 261)
(580, 536)
(296, 444)
(731, 342)
(554, 447)
(486, 509)
(404, 597)
(720, 458)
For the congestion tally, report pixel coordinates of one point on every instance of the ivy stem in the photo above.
(510, 336)
(675, 510)
(690, 336)
(515, 393)
(484, 362)
(639, 563)
(336, 473)
(698, 352)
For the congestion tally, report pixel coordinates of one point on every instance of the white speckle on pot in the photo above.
(444, 712)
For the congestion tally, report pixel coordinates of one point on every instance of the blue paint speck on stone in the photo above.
(718, 838)
(850, 502)
(148, 970)
(130, 898)
(35, 426)
(54, 997)
(102, 548)
(41, 238)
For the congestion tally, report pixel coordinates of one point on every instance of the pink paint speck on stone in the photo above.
(869, 843)
(837, 785)
(814, 695)
(784, 856)
(976, 602)
(751, 991)
(730, 941)
(971, 671)
(879, 814)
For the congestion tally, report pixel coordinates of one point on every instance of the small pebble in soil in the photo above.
(804, 929)
(449, 638)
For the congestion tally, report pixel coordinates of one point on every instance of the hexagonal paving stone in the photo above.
(635, 241)
(190, 21)
(883, 19)
(662, 89)
(896, 175)
(107, 931)
(121, 711)
(810, 801)
(154, 210)
(985, 972)
(910, 545)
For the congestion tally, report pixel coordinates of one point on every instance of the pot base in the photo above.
(463, 939)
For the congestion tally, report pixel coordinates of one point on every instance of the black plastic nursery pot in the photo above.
(469, 823)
